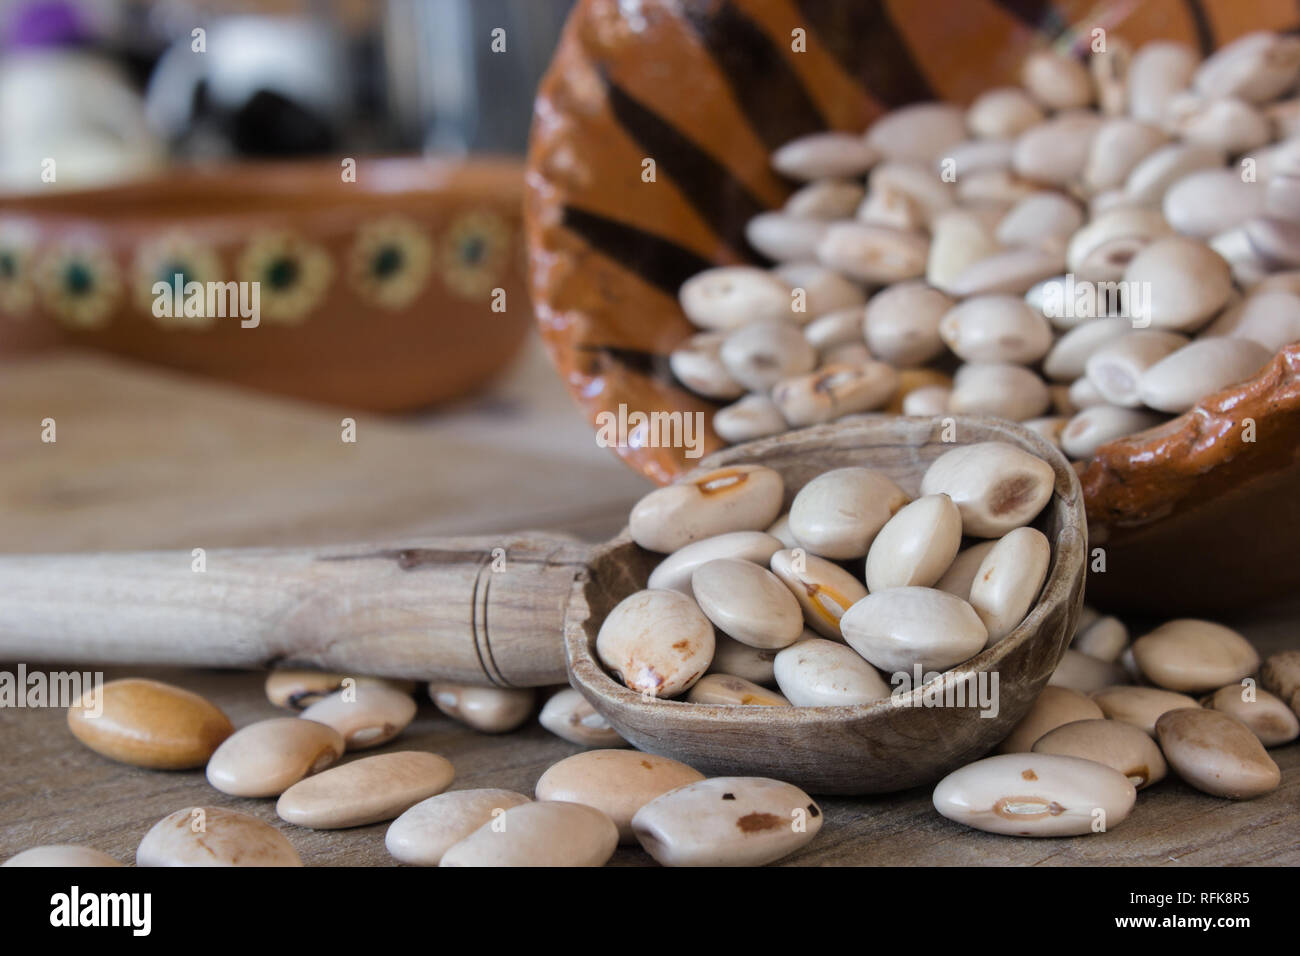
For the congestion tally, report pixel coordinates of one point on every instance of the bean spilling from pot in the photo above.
(1089, 253)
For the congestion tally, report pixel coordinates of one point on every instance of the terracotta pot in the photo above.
(374, 295)
(707, 88)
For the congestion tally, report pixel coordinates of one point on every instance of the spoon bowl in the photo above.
(903, 741)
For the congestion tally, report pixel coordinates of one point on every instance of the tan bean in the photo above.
(873, 253)
(892, 208)
(1116, 369)
(760, 354)
(1181, 379)
(754, 416)
(732, 691)
(916, 546)
(366, 716)
(1044, 219)
(824, 155)
(730, 296)
(1097, 425)
(996, 328)
(823, 589)
(616, 782)
(1013, 271)
(674, 572)
(1054, 707)
(569, 715)
(959, 577)
(1120, 746)
(996, 486)
(1009, 579)
(1056, 151)
(820, 673)
(1139, 706)
(1216, 753)
(1257, 67)
(833, 391)
(901, 323)
(1035, 795)
(656, 642)
(1158, 70)
(1267, 716)
(825, 199)
(1056, 80)
(734, 498)
(1085, 674)
(959, 239)
(1003, 112)
(1267, 316)
(903, 628)
(266, 758)
(1228, 124)
(489, 710)
(998, 388)
(1120, 144)
(823, 290)
(542, 833)
(747, 602)
(1106, 639)
(839, 513)
(918, 132)
(783, 237)
(1194, 655)
(1068, 358)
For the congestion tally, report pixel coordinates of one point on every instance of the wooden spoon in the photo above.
(491, 611)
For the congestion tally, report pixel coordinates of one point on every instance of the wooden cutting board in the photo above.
(147, 459)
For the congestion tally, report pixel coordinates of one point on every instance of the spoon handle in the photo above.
(415, 610)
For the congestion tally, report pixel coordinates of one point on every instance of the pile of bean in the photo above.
(1103, 730)
(854, 581)
(1093, 252)
(585, 806)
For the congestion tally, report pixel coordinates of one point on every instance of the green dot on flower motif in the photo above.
(282, 273)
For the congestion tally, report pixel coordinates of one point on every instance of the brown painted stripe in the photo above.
(650, 364)
(1044, 16)
(1201, 24)
(768, 90)
(720, 199)
(661, 262)
(863, 37)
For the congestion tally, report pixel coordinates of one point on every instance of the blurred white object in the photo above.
(77, 109)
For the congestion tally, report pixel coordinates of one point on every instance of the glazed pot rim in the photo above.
(1069, 553)
(272, 179)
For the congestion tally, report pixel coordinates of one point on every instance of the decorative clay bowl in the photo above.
(1190, 516)
(374, 294)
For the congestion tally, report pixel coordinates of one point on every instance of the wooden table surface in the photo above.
(149, 459)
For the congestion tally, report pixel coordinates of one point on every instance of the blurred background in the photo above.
(116, 88)
(140, 140)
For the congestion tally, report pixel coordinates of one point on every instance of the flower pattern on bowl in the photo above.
(390, 261)
(293, 274)
(79, 283)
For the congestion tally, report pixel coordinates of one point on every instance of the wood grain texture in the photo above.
(486, 610)
(56, 791)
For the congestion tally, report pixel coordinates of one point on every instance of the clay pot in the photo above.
(707, 90)
(374, 294)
